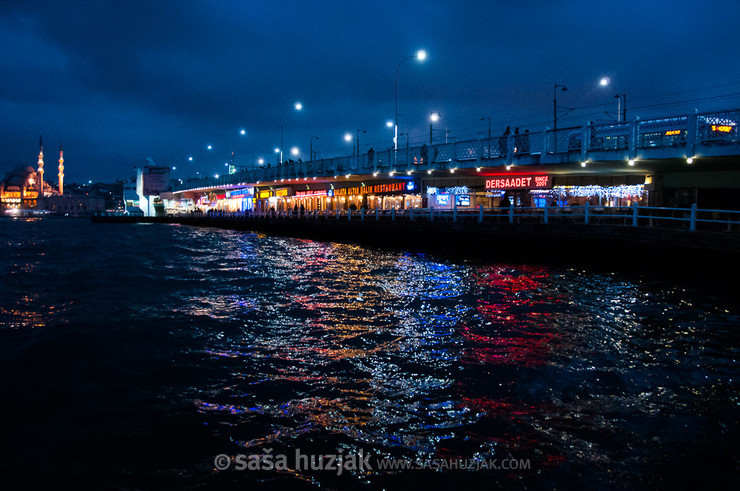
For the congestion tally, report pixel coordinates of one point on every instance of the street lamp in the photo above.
(489, 125)
(298, 106)
(555, 105)
(621, 106)
(433, 118)
(310, 147)
(621, 100)
(420, 55)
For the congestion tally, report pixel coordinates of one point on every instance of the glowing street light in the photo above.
(243, 132)
(389, 124)
(433, 118)
(295, 151)
(298, 106)
(209, 147)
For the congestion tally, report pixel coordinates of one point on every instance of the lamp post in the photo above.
(357, 142)
(310, 147)
(420, 56)
(621, 107)
(489, 125)
(621, 100)
(555, 105)
(433, 118)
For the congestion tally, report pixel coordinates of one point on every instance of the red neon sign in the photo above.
(304, 194)
(519, 182)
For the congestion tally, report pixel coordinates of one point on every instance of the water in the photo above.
(132, 355)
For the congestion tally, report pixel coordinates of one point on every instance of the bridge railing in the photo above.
(718, 129)
(690, 219)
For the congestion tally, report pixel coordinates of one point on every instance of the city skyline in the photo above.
(165, 80)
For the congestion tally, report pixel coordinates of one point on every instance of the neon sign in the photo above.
(519, 182)
(240, 193)
(722, 128)
(307, 194)
(376, 189)
(672, 132)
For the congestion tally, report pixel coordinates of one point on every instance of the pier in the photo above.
(681, 241)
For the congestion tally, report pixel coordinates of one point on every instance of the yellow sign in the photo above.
(265, 194)
(722, 128)
(672, 132)
(282, 192)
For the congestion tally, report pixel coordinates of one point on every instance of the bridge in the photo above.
(619, 146)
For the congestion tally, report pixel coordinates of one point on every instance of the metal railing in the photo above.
(690, 219)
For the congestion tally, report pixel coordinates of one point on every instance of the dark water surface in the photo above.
(132, 355)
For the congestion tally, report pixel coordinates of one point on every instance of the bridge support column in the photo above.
(692, 223)
(480, 213)
(585, 214)
(545, 217)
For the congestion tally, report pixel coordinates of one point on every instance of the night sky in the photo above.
(118, 82)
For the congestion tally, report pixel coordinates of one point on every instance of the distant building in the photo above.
(73, 205)
(151, 182)
(20, 189)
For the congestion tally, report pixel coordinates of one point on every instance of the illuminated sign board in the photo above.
(673, 132)
(240, 193)
(265, 194)
(443, 199)
(282, 192)
(308, 194)
(722, 128)
(519, 182)
(451, 190)
(462, 200)
(394, 187)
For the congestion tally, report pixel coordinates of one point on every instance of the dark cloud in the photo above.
(120, 81)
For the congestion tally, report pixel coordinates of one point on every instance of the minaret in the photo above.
(61, 169)
(41, 168)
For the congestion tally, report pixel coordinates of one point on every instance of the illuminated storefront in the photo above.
(237, 200)
(446, 198)
(546, 190)
(400, 195)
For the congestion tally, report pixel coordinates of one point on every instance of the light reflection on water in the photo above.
(292, 344)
